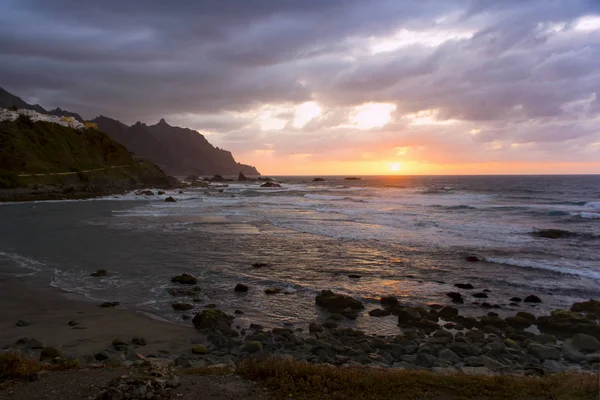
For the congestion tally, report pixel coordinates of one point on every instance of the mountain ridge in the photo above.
(178, 151)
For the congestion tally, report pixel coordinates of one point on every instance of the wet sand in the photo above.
(49, 310)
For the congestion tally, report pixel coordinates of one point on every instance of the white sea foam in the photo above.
(593, 204)
(586, 215)
(20, 261)
(567, 268)
(323, 197)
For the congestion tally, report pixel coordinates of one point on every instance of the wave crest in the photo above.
(545, 265)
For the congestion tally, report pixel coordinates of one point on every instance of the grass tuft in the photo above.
(302, 380)
(14, 366)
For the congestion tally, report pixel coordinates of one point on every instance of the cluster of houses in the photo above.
(10, 115)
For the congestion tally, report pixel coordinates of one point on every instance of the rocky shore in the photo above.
(433, 337)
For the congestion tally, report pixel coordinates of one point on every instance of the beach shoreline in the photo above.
(35, 317)
(48, 311)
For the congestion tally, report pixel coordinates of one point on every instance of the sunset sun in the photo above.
(395, 167)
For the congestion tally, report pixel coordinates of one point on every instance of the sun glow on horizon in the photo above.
(395, 167)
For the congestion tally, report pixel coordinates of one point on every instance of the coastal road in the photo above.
(76, 172)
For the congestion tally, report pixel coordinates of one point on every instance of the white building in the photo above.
(8, 115)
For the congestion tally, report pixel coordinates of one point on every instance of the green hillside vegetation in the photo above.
(44, 153)
(44, 147)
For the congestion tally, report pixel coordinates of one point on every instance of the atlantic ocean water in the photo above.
(405, 236)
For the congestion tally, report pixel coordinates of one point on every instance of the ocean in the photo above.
(405, 236)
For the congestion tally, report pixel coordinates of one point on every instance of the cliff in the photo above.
(179, 151)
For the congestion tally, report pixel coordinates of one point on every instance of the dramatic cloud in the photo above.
(337, 86)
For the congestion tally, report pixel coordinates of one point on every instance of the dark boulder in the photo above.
(591, 306)
(518, 322)
(350, 313)
(526, 315)
(100, 272)
(22, 323)
(426, 325)
(260, 265)
(184, 279)
(102, 356)
(240, 287)
(553, 233)
(50, 353)
(532, 299)
(354, 276)
(480, 295)
(565, 325)
(272, 290)
(213, 319)
(472, 258)
(270, 185)
(585, 343)
(456, 297)
(408, 314)
(337, 302)
(182, 306)
(516, 299)
(110, 304)
(242, 177)
(170, 200)
(493, 321)
(217, 178)
(379, 313)
(389, 301)
(464, 286)
(318, 180)
(447, 313)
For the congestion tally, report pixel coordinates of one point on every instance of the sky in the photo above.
(336, 87)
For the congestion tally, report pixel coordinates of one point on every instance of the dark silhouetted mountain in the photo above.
(8, 100)
(178, 151)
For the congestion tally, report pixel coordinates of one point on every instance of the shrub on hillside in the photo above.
(25, 120)
(9, 180)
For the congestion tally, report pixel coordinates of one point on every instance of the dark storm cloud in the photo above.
(203, 45)
(525, 73)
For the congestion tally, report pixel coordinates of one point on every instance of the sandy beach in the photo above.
(49, 311)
